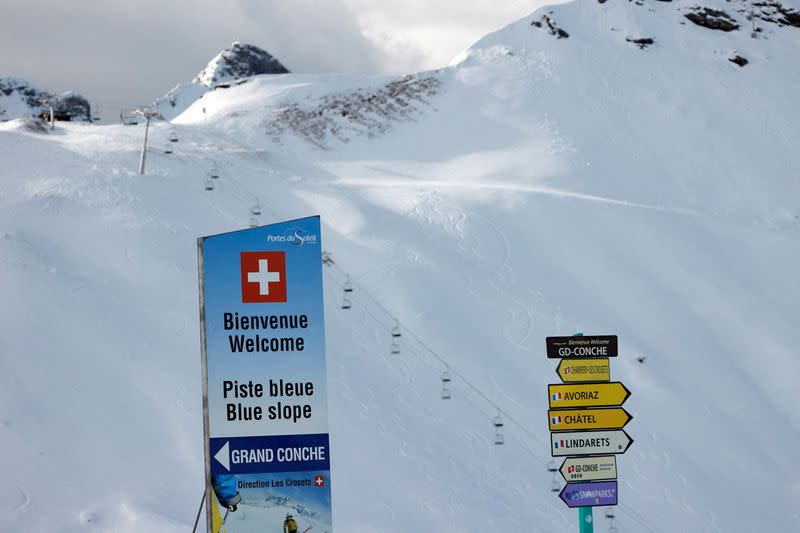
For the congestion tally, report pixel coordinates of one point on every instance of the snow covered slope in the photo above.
(539, 185)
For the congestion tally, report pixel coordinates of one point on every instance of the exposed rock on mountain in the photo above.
(714, 19)
(20, 99)
(232, 65)
(239, 61)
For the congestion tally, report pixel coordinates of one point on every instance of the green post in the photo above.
(585, 515)
(586, 519)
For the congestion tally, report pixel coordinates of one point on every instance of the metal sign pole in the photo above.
(585, 515)
(586, 519)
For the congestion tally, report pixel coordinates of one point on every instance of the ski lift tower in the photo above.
(148, 113)
(50, 102)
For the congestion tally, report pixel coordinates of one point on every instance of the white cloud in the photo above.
(124, 53)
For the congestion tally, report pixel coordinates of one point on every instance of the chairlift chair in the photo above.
(445, 393)
(498, 438)
(209, 185)
(346, 304)
(446, 378)
(395, 348)
(253, 221)
(214, 172)
(556, 487)
(610, 512)
(396, 329)
(348, 286)
(498, 420)
(174, 137)
(551, 467)
(256, 209)
(168, 149)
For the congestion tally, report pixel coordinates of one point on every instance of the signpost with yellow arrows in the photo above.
(588, 395)
(572, 419)
(578, 370)
(586, 420)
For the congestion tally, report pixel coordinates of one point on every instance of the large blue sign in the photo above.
(264, 378)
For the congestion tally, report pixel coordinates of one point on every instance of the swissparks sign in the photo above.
(264, 386)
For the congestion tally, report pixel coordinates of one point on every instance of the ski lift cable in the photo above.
(522, 443)
(454, 372)
(639, 518)
(439, 358)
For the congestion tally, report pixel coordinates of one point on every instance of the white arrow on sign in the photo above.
(223, 456)
(589, 442)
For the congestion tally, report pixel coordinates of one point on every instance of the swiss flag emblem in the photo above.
(319, 481)
(263, 277)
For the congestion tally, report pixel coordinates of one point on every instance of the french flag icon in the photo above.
(556, 396)
(556, 420)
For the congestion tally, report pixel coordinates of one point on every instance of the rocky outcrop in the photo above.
(549, 24)
(239, 61)
(713, 19)
(20, 99)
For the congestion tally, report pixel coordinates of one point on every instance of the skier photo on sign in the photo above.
(289, 525)
(225, 488)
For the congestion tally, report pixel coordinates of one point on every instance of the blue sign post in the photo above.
(264, 379)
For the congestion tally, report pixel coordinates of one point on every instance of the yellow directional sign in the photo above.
(577, 370)
(570, 419)
(588, 395)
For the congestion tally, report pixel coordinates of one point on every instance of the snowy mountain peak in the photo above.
(20, 99)
(238, 61)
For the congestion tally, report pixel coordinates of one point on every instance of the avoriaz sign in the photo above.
(588, 395)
